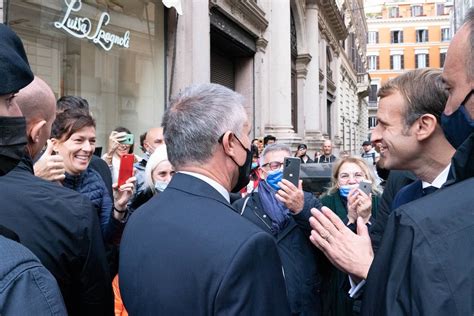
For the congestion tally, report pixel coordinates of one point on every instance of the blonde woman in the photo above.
(159, 170)
(348, 202)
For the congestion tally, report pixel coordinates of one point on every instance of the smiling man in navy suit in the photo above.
(187, 252)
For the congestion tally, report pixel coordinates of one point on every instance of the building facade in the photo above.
(405, 35)
(459, 10)
(300, 64)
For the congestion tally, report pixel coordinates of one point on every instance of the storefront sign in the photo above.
(81, 27)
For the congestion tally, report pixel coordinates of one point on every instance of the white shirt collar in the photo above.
(216, 185)
(439, 180)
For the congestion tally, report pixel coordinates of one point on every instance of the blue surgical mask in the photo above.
(254, 165)
(459, 125)
(160, 185)
(273, 177)
(345, 189)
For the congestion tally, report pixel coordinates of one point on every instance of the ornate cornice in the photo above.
(327, 32)
(245, 12)
(334, 17)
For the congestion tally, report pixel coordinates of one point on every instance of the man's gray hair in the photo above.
(272, 148)
(469, 21)
(196, 119)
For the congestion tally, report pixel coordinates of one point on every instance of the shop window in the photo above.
(110, 54)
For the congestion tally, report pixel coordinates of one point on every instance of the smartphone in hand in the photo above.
(365, 187)
(126, 168)
(128, 140)
(291, 170)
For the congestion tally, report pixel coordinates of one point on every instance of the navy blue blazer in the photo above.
(408, 193)
(187, 252)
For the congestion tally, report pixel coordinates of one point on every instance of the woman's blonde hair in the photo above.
(369, 174)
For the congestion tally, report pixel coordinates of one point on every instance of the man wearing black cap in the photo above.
(29, 289)
(301, 153)
(16, 74)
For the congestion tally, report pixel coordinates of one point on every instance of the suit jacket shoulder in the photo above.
(204, 259)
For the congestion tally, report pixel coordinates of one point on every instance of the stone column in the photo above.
(261, 87)
(193, 54)
(302, 85)
(311, 94)
(278, 122)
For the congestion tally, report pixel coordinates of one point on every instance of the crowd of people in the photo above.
(208, 225)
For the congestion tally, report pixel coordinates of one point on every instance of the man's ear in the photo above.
(35, 131)
(426, 126)
(228, 144)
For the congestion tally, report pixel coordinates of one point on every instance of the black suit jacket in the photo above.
(61, 228)
(425, 265)
(186, 252)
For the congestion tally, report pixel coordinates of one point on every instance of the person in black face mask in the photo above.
(217, 254)
(17, 263)
(15, 73)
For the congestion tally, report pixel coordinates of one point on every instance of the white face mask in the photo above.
(160, 185)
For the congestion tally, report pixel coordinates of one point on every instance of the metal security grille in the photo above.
(222, 70)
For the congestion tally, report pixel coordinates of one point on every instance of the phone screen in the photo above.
(291, 170)
(126, 168)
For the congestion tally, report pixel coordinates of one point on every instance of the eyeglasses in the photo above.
(356, 175)
(273, 165)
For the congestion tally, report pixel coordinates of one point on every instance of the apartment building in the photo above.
(404, 35)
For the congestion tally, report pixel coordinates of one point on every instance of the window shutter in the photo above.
(427, 56)
(416, 61)
(427, 38)
(402, 59)
(401, 36)
(391, 37)
(376, 37)
(391, 62)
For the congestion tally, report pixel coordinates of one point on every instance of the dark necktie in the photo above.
(429, 190)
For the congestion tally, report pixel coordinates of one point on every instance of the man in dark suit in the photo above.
(187, 252)
(425, 264)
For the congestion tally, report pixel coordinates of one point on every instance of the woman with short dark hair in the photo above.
(73, 137)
